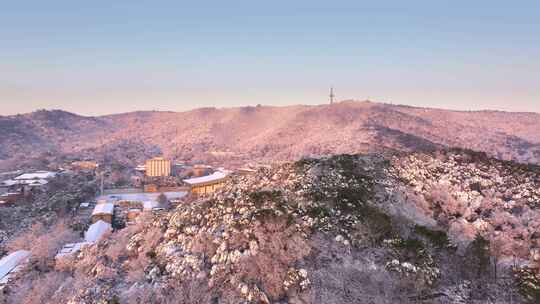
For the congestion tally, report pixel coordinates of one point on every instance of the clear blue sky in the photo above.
(97, 57)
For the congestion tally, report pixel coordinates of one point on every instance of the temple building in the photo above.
(206, 184)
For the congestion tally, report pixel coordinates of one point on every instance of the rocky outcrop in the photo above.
(277, 236)
(340, 229)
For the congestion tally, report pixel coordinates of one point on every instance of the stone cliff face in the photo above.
(269, 133)
(415, 228)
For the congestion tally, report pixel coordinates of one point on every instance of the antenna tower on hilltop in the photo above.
(332, 95)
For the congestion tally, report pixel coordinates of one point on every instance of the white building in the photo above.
(36, 175)
(11, 263)
(35, 179)
(103, 212)
(206, 184)
(96, 231)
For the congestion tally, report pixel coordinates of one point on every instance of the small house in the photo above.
(10, 197)
(70, 249)
(96, 231)
(103, 212)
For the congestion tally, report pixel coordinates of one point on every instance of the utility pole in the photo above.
(101, 187)
(332, 95)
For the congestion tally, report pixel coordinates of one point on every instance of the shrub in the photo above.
(190, 292)
(479, 256)
(528, 282)
(440, 197)
(163, 201)
(43, 243)
(39, 289)
(409, 249)
(136, 268)
(202, 242)
(279, 247)
(437, 238)
(378, 222)
(462, 233)
(259, 197)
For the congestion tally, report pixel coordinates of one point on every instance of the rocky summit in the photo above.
(341, 229)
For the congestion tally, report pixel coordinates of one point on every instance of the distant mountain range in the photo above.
(265, 133)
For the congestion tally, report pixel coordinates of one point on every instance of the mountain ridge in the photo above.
(268, 133)
(280, 106)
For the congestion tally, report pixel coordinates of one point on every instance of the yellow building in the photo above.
(158, 166)
(85, 165)
(206, 184)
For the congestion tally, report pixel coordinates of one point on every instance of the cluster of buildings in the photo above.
(108, 211)
(202, 179)
(94, 233)
(14, 188)
(106, 215)
(113, 211)
(33, 179)
(101, 223)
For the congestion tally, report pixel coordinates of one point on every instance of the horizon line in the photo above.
(274, 106)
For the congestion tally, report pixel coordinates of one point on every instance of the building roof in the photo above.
(28, 182)
(214, 177)
(71, 248)
(105, 208)
(9, 183)
(11, 261)
(35, 182)
(143, 196)
(36, 175)
(159, 158)
(202, 166)
(8, 194)
(96, 231)
(11, 172)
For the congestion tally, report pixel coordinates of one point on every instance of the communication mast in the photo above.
(332, 95)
